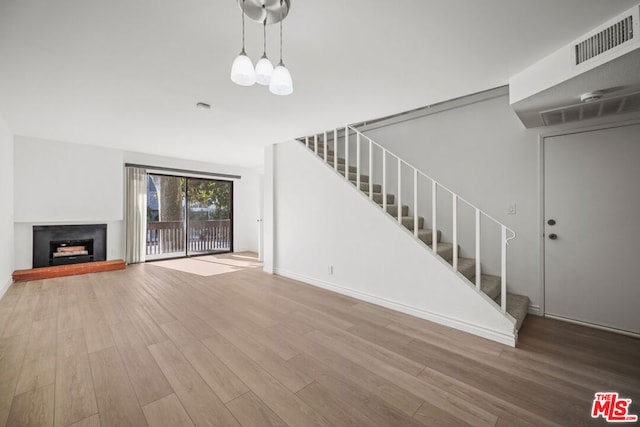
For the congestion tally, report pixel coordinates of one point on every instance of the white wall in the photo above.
(268, 200)
(58, 181)
(321, 222)
(6, 213)
(47, 191)
(482, 152)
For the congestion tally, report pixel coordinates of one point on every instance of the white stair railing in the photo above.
(363, 140)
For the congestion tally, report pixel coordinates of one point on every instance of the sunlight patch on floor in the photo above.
(211, 265)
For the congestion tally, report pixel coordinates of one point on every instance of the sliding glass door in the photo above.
(188, 216)
(165, 216)
(208, 216)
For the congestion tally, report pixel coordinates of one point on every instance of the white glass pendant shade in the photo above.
(242, 71)
(264, 69)
(281, 83)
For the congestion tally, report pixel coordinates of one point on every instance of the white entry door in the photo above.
(592, 227)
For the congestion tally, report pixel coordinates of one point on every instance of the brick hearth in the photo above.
(67, 270)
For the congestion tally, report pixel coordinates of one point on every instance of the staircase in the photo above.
(512, 305)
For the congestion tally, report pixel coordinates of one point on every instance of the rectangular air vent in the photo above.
(607, 39)
(605, 107)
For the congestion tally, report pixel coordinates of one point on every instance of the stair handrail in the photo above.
(479, 213)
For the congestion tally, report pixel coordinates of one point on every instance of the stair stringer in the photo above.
(372, 258)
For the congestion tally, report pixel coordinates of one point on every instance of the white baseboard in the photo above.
(441, 319)
(5, 287)
(594, 326)
(268, 270)
(535, 310)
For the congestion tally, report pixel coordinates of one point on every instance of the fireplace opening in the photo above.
(70, 251)
(55, 245)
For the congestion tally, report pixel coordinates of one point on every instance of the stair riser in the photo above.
(364, 186)
(427, 238)
(320, 145)
(446, 251)
(468, 272)
(321, 148)
(409, 222)
(517, 306)
(330, 160)
(363, 178)
(341, 168)
(377, 197)
(330, 154)
(490, 286)
(393, 210)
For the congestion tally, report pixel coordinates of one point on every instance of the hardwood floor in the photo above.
(158, 346)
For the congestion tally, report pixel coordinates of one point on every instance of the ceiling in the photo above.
(127, 74)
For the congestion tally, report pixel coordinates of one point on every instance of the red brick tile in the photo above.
(67, 270)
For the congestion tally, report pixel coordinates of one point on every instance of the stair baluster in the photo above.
(335, 151)
(454, 207)
(478, 272)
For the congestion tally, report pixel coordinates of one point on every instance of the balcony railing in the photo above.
(167, 237)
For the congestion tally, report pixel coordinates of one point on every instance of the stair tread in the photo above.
(517, 306)
(490, 285)
(393, 209)
(353, 177)
(409, 222)
(364, 186)
(445, 251)
(467, 267)
(377, 197)
(466, 262)
(341, 167)
(444, 245)
(407, 217)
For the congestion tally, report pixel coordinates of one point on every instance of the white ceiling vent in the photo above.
(592, 110)
(607, 39)
(603, 61)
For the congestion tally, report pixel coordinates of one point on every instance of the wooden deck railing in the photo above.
(203, 236)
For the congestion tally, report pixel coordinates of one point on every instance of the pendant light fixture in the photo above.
(281, 82)
(242, 71)
(264, 67)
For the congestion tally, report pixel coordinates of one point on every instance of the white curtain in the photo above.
(135, 214)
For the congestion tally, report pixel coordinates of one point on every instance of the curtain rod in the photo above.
(186, 171)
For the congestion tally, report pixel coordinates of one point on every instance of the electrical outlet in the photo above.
(511, 208)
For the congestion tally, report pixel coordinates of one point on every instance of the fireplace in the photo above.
(55, 245)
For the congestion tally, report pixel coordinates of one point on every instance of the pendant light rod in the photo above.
(264, 38)
(243, 27)
(281, 36)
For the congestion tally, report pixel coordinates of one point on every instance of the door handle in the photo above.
(553, 236)
(551, 222)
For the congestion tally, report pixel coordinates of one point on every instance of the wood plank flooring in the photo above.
(155, 346)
